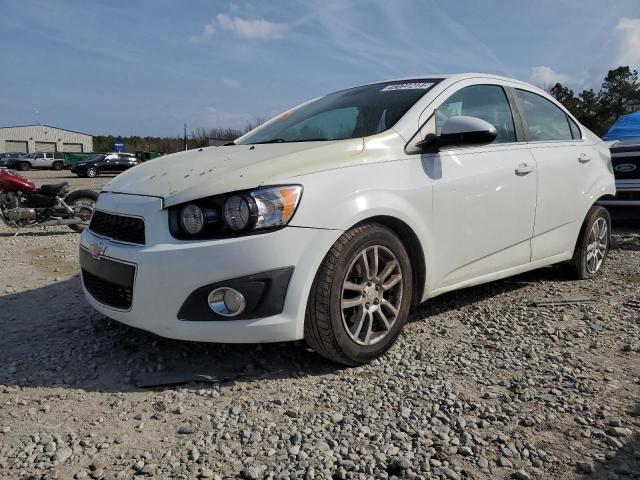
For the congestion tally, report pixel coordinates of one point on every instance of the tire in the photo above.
(58, 166)
(24, 166)
(91, 172)
(583, 266)
(355, 335)
(84, 209)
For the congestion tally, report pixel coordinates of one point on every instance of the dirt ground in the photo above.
(480, 385)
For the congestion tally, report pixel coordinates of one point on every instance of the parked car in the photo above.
(5, 157)
(28, 161)
(104, 163)
(625, 156)
(331, 220)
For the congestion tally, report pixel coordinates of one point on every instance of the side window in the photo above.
(543, 119)
(40, 155)
(575, 130)
(488, 102)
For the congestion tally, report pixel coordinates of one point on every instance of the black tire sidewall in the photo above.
(361, 353)
(90, 170)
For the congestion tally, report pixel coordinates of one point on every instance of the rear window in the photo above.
(543, 119)
(575, 130)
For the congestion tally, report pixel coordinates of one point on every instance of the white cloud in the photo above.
(256, 29)
(628, 35)
(547, 77)
(230, 82)
(207, 32)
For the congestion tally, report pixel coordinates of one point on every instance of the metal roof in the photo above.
(48, 126)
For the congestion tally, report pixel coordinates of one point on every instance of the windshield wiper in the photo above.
(273, 140)
(282, 140)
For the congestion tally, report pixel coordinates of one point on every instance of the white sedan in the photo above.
(330, 221)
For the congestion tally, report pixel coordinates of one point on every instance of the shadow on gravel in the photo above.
(461, 298)
(43, 233)
(51, 337)
(625, 463)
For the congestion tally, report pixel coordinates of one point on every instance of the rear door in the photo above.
(484, 197)
(563, 160)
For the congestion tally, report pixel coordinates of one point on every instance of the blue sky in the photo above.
(146, 67)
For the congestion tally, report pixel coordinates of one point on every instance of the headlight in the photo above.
(276, 205)
(192, 219)
(237, 213)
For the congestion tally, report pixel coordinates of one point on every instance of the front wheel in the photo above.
(92, 172)
(83, 203)
(24, 166)
(593, 243)
(360, 298)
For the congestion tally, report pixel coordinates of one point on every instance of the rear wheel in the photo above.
(58, 166)
(593, 243)
(24, 166)
(360, 297)
(92, 172)
(83, 203)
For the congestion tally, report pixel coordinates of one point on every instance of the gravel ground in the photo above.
(480, 385)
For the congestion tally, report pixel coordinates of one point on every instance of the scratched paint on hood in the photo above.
(186, 176)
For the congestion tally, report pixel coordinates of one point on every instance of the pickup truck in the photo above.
(53, 160)
(625, 158)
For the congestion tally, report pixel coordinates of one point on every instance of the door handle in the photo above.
(523, 169)
(584, 158)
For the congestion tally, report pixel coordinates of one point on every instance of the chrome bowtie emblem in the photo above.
(97, 249)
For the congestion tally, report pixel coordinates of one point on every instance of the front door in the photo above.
(484, 198)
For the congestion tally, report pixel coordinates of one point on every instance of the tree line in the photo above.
(619, 95)
(198, 138)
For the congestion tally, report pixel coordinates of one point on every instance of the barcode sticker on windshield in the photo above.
(408, 86)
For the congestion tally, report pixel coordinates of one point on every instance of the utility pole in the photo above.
(185, 136)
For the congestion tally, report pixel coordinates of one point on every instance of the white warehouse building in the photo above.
(43, 138)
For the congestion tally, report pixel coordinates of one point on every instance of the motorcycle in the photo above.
(22, 204)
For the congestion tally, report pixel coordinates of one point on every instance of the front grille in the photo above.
(107, 280)
(118, 227)
(106, 292)
(628, 196)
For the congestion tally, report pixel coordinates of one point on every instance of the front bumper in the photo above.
(168, 271)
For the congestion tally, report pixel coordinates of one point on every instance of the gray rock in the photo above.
(585, 466)
(521, 475)
(62, 454)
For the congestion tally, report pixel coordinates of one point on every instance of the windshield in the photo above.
(352, 113)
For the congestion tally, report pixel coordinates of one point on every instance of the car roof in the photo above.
(456, 77)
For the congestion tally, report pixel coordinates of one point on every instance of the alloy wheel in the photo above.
(597, 245)
(371, 295)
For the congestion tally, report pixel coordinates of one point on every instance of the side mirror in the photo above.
(460, 130)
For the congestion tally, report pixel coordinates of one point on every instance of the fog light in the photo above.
(226, 301)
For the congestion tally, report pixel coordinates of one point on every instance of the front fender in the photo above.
(340, 199)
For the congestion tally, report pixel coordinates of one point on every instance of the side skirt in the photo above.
(544, 262)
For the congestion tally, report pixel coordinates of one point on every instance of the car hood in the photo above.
(193, 174)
